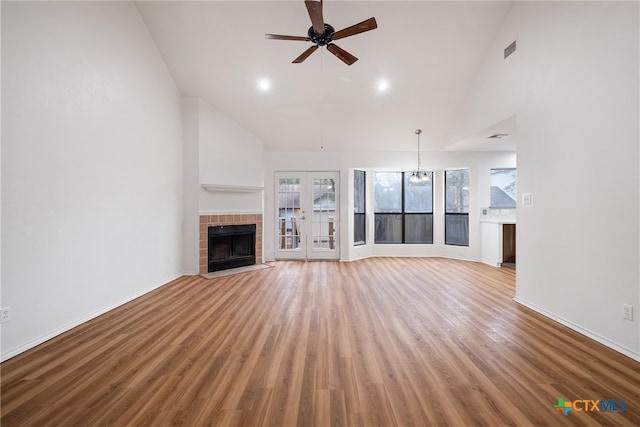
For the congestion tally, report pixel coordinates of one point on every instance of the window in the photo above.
(388, 207)
(403, 209)
(456, 215)
(418, 209)
(359, 208)
(503, 188)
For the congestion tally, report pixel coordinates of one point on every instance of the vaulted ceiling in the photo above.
(428, 52)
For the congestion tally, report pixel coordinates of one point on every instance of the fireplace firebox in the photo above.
(231, 246)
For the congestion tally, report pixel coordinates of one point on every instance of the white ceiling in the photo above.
(428, 51)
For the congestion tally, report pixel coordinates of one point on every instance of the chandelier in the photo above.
(419, 175)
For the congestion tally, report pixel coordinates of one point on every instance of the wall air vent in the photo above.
(498, 136)
(509, 49)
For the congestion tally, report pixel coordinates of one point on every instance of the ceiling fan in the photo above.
(321, 34)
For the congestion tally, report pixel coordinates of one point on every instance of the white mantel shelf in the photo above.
(217, 188)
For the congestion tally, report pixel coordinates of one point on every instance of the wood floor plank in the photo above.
(376, 342)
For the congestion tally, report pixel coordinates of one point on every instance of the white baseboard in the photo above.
(586, 332)
(58, 331)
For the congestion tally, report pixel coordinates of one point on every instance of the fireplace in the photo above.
(231, 246)
(227, 219)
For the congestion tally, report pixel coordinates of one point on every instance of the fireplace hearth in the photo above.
(231, 246)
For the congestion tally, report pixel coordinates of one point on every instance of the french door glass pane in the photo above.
(324, 214)
(288, 213)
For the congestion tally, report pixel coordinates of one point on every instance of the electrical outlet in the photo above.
(5, 314)
(627, 311)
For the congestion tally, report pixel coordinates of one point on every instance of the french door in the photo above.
(307, 215)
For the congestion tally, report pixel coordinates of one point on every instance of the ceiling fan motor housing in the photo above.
(327, 34)
(321, 39)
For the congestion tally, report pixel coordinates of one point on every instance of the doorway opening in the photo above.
(307, 213)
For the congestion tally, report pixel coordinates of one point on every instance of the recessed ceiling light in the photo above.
(264, 84)
(382, 85)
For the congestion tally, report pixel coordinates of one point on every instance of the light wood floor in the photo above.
(377, 342)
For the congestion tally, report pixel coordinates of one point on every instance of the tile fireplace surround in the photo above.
(228, 219)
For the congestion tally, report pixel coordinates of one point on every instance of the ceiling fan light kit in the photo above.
(322, 34)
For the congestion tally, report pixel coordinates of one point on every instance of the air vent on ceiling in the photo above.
(509, 49)
(498, 136)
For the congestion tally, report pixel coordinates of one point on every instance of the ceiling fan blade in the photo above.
(280, 37)
(369, 24)
(341, 54)
(305, 54)
(315, 13)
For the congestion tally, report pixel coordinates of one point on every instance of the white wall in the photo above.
(91, 166)
(574, 85)
(478, 163)
(228, 155)
(190, 185)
